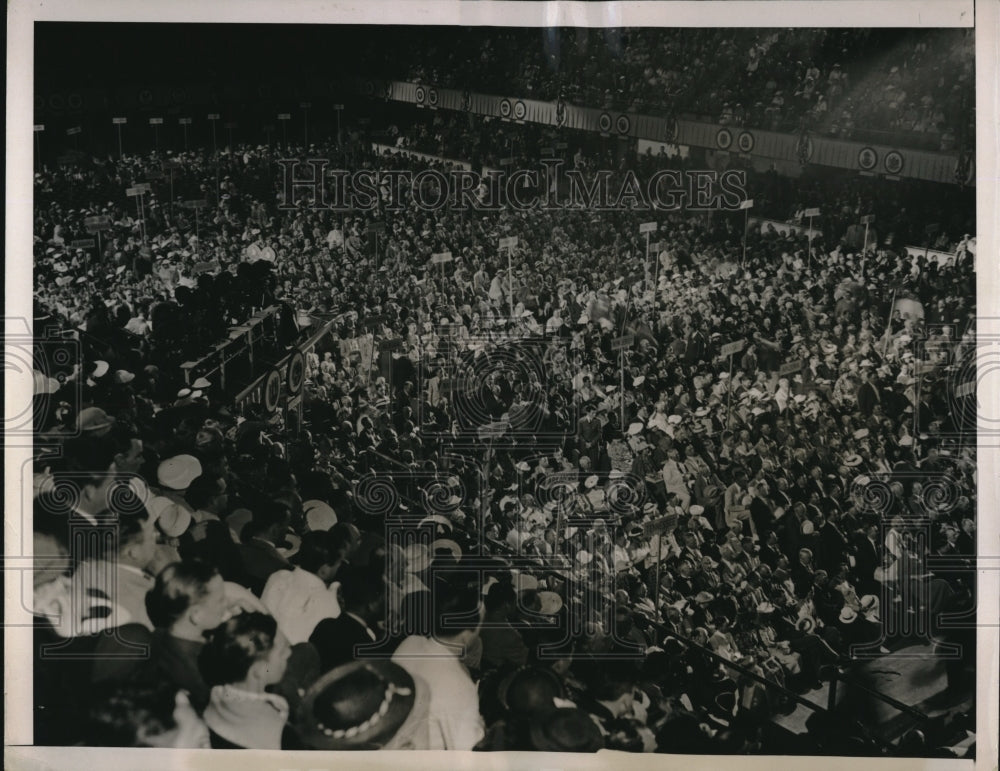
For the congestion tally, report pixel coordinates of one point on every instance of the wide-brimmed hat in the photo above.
(530, 691)
(446, 545)
(177, 473)
(418, 557)
(551, 603)
(319, 515)
(848, 615)
(362, 705)
(566, 729)
(93, 420)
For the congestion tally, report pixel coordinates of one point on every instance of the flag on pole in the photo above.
(747, 204)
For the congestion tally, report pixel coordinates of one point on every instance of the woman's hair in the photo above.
(178, 586)
(235, 645)
(122, 714)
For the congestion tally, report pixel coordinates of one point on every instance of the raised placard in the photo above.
(730, 348)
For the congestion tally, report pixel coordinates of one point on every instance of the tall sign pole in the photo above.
(39, 128)
(810, 213)
(214, 116)
(185, 122)
(730, 350)
(156, 123)
(284, 117)
(119, 122)
(305, 122)
(509, 243)
(747, 205)
(647, 228)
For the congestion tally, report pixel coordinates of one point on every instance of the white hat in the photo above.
(634, 428)
(171, 517)
(551, 603)
(100, 368)
(906, 441)
(525, 582)
(696, 510)
(446, 543)
(673, 419)
(319, 515)
(523, 466)
(590, 482)
(123, 376)
(861, 433)
(201, 383)
(639, 380)
(847, 615)
(178, 472)
(417, 557)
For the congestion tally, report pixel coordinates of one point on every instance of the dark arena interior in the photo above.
(505, 389)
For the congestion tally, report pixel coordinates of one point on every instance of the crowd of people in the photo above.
(831, 81)
(510, 534)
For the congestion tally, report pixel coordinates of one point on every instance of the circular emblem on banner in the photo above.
(296, 373)
(724, 139)
(421, 95)
(432, 96)
(504, 108)
(623, 124)
(560, 112)
(867, 158)
(520, 110)
(604, 122)
(57, 102)
(272, 391)
(745, 142)
(369, 88)
(466, 101)
(75, 101)
(178, 96)
(893, 162)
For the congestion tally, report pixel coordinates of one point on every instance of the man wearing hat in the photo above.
(453, 715)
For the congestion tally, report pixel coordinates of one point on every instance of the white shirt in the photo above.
(453, 717)
(299, 600)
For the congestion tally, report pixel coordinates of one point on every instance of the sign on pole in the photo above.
(508, 243)
(97, 223)
(747, 204)
(868, 219)
(71, 131)
(625, 341)
(659, 526)
(83, 243)
(197, 203)
(39, 127)
(814, 212)
(790, 367)
(648, 227)
(184, 121)
(284, 116)
(119, 121)
(730, 348)
(440, 258)
(156, 121)
(213, 116)
(966, 389)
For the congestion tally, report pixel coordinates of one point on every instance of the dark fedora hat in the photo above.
(357, 706)
(566, 729)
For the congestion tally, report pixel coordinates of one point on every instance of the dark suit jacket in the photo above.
(261, 559)
(335, 639)
(867, 558)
